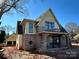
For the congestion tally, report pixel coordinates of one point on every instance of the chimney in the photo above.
(19, 27)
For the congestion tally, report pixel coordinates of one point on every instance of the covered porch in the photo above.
(51, 40)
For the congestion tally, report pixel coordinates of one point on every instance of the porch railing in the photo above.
(42, 28)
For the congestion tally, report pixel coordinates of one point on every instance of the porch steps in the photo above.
(56, 49)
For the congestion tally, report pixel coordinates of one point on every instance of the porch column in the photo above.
(43, 42)
(6, 43)
(68, 42)
(63, 41)
(19, 42)
(12, 43)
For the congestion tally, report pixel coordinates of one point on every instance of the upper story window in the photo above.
(49, 25)
(30, 28)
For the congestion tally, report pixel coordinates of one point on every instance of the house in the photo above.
(75, 40)
(76, 37)
(11, 40)
(45, 33)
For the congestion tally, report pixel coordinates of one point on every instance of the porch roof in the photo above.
(11, 37)
(45, 32)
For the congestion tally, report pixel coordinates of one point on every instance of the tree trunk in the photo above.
(0, 18)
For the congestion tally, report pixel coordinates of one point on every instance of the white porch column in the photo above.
(19, 41)
(12, 43)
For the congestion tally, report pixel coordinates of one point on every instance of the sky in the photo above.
(64, 10)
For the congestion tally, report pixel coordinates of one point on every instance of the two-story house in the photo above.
(44, 33)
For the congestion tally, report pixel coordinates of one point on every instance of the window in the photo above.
(49, 25)
(30, 42)
(30, 28)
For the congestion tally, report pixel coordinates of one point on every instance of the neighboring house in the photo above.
(45, 33)
(76, 37)
(75, 41)
(11, 40)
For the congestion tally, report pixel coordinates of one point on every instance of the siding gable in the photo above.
(48, 16)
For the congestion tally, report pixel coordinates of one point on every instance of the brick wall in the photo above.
(30, 41)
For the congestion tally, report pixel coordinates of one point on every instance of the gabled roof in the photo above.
(50, 10)
(76, 36)
(12, 37)
(38, 20)
(28, 20)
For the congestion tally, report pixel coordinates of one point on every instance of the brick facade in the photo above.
(30, 41)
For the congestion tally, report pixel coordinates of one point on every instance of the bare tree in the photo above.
(77, 30)
(7, 5)
(18, 5)
(8, 29)
(71, 28)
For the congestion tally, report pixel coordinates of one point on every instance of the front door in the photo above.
(53, 42)
(56, 41)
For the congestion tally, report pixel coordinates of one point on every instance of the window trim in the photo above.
(30, 27)
(49, 25)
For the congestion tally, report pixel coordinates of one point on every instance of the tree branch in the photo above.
(11, 6)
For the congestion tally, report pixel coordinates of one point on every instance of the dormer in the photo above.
(28, 26)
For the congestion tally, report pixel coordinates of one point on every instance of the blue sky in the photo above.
(64, 10)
